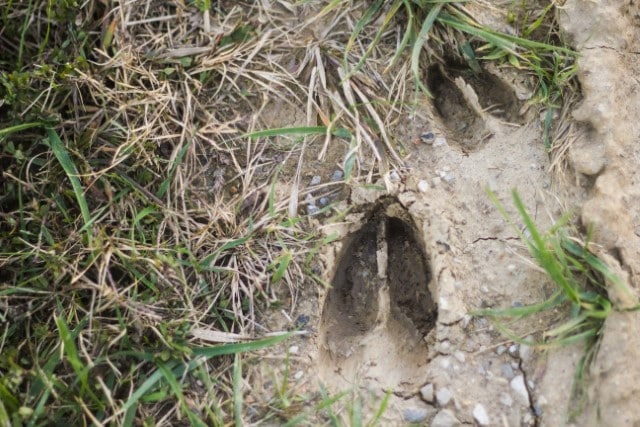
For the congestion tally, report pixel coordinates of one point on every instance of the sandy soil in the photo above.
(412, 262)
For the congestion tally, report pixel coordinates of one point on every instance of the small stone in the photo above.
(506, 400)
(444, 346)
(337, 175)
(316, 180)
(459, 355)
(517, 304)
(394, 177)
(298, 375)
(445, 363)
(500, 350)
(514, 350)
(302, 321)
(445, 418)
(537, 410)
(520, 389)
(443, 396)
(427, 394)
(507, 371)
(526, 351)
(449, 178)
(480, 415)
(323, 201)
(415, 415)
(423, 186)
(492, 185)
(511, 268)
(312, 209)
(427, 137)
(294, 349)
(440, 141)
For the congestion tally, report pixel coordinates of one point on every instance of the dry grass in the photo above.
(141, 218)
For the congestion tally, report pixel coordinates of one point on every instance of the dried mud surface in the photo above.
(412, 264)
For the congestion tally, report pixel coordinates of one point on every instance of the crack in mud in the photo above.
(532, 406)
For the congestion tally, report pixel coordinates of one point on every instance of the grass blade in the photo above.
(70, 169)
(237, 391)
(419, 43)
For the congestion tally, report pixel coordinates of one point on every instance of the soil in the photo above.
(413, 262)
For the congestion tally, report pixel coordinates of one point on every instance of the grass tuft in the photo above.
(581, 280)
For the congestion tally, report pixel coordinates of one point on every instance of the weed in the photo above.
(581, 281)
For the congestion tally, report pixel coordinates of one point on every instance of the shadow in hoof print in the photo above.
(379, 311)
(466, 100)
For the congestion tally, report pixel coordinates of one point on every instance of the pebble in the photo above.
(294, 349)
(415, 415)
(298, 375)
(337, 175)
(445, 418)
(427, 137)
(302, 321)
(500, 350)
(514, 350)
(423, 186)
(480, 415)
(507, 371)
(506, 400)
(444, 346)
(427, 394)
(316, 180)
(526, 351)
(323, 201)
(440, 141)
(521, 392)
(443, 396)
(459, 355)
(394, 177)
(445, 363)
(312, 209)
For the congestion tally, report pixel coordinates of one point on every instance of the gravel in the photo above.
(423, 186)
(480, 415)
(337, 175)
(427, 393)
(440, 141)
(507, 371)
(444, 395)
(520, 389)
(415, 415)
(323, 201)
(445, 418)
(316, 180)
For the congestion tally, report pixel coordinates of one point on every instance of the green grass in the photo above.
(580, 279)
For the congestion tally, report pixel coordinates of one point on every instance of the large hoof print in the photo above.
(379, 310)
(465, 100)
